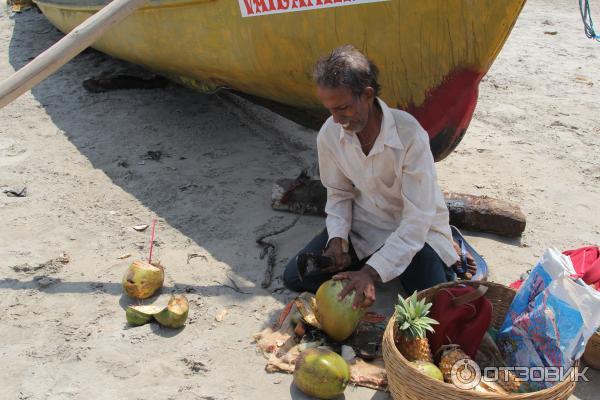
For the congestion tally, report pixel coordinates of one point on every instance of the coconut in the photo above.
(173, 315)
(176, 312)
(337, 318)
(140, 315)
(142, 279)
(321, 373)
(429, 369)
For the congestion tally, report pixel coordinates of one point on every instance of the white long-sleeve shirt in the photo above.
(388, 203)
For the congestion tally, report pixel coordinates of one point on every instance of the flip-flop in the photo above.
(482, 267)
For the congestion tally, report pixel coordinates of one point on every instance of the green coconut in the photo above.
(337, 318)
(140, 315)
(429, 369)
(175, 314)
(142, 279)
(321, 373)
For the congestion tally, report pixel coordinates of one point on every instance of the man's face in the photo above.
(347, 109)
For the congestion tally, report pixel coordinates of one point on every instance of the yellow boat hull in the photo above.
(431, 53)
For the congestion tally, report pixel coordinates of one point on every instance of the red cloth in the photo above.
(586, 261)
(516, 284)
(464, 325)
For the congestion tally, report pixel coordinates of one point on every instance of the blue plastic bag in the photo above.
(550, 319)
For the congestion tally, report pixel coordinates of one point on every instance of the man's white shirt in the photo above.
(389, 202)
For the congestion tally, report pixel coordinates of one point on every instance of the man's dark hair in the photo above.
(347, 66)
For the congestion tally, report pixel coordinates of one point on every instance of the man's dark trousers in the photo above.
(425, 270)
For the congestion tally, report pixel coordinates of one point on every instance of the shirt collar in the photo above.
(342, 134)
(389, 131)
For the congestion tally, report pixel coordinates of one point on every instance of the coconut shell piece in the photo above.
(175, 314)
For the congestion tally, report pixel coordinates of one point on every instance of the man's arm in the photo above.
(419, 190)
(339, 193)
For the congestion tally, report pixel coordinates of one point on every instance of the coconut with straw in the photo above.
(144, 278)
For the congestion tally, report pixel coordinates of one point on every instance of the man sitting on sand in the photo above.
(386, 215)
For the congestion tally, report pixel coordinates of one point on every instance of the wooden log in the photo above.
(485, 214)
(65, 49)
(470, 212)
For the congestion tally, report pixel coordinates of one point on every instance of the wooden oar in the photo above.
(65, 49)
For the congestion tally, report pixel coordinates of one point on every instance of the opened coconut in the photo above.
(321, 373)
(142, 279)
(140, 315)
(337, 317)
(176, 312)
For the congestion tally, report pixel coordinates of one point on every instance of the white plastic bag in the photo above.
(551, 317)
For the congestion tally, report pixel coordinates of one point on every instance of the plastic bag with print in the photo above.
(550, 319)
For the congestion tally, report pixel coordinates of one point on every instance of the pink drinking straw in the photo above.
(152, 240)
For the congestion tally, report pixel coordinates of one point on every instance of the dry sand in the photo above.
(534, 140)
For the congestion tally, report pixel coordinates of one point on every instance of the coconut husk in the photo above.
(281, 347)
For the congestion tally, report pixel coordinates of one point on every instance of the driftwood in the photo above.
(486, 214)
(475, 213)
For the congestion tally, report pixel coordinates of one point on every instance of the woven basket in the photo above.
(406, 383)
(592, 351)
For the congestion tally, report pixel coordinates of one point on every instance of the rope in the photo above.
(586, 16)
(270, 250)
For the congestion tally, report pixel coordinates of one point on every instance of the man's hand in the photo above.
(471, 264)
(363, 284)
(335, 249)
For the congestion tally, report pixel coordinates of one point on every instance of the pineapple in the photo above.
(450, 355)
(412, 325)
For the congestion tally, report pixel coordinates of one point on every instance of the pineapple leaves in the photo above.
(411, 317)
(429, 321)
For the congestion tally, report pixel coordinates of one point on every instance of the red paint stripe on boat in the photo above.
(448, 110)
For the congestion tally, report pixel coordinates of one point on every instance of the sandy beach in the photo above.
(86, 162)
